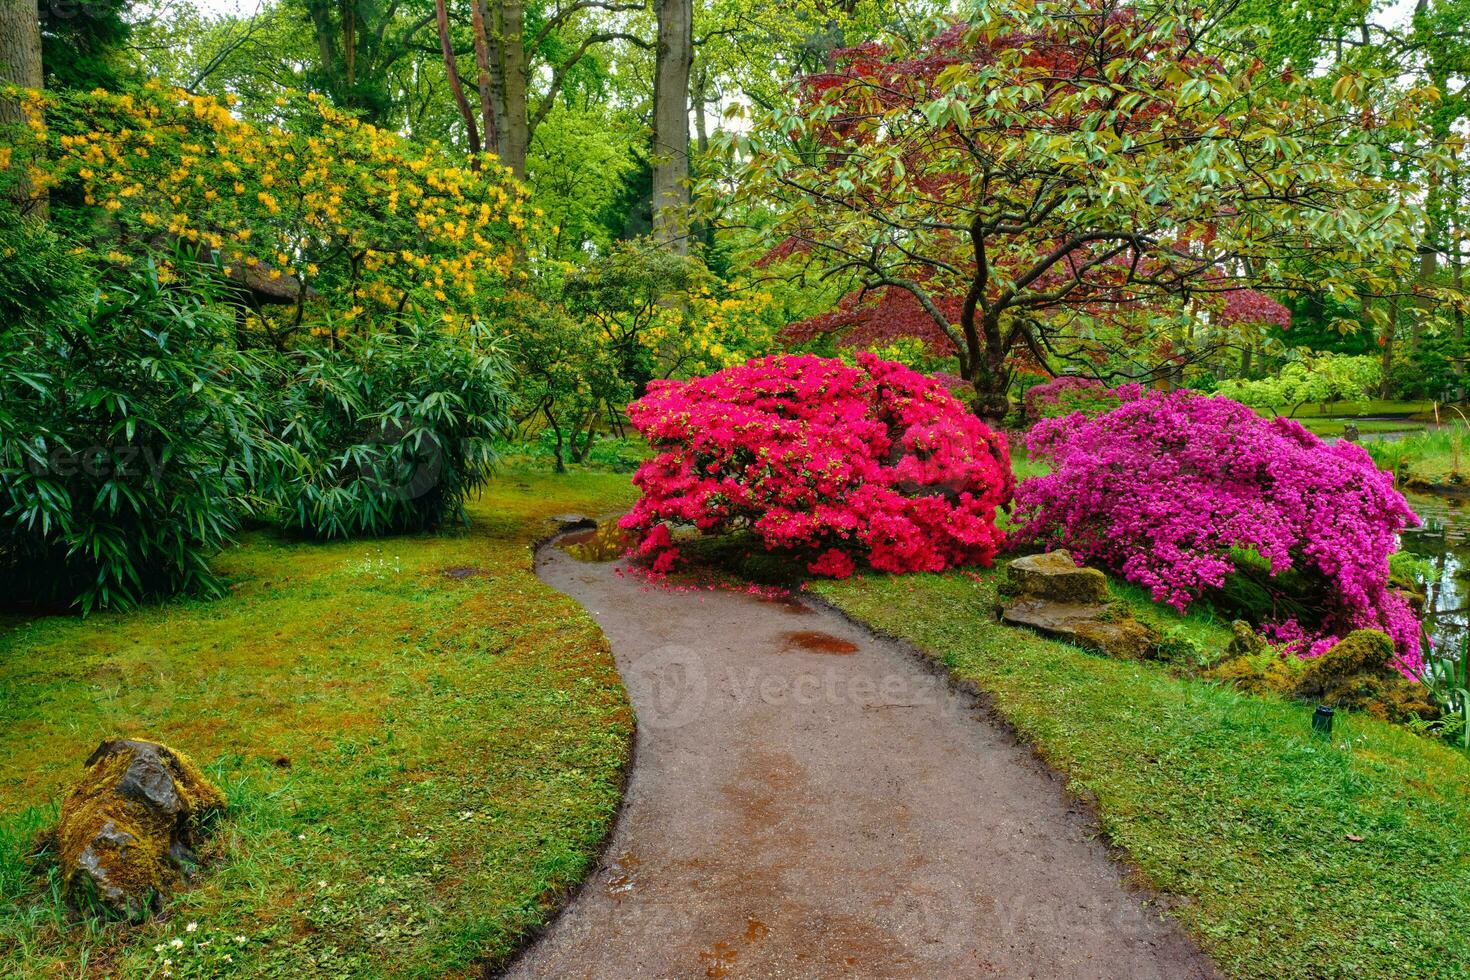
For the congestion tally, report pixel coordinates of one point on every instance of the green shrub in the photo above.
(124, 444)
(1319, 379)
(385, 434)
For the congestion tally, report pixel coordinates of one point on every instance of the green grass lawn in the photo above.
(1375, 406)
(418, 763)
(1334, 427)
(1439, 457)
(1292, 856)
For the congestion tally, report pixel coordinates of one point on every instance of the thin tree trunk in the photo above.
(561, 463)
(349, 46)
(1428, 263)
(20, 65)
(699, 229)
(671, 124)
(1388, 336)
(1457, 270)
(479, 15)
(451, 69)
(326, 42)
(514, 137)
(701, 99)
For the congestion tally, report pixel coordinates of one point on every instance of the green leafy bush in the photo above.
(125, 444)
(385, 434)
(1321, 379)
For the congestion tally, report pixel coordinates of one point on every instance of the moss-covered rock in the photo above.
(1057, 577)
(1089, 625)
(1263, 672)
(1245, 641)
(1358, 673)
(129, 827)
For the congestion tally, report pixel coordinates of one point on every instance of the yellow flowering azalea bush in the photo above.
(189, 257)
(335, 222)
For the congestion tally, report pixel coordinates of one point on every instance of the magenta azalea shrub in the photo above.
(1065, 395)
(834, 463)
(1177, 491)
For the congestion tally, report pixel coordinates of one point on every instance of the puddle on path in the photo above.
(788, 603)
(623, 873)
(603, 543)
(814, 641)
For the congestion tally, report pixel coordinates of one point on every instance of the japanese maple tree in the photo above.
(1048, 177)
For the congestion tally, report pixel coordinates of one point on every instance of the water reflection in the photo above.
(1444, 543)
(605, 542)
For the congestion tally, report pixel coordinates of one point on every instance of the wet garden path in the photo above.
(808, 800)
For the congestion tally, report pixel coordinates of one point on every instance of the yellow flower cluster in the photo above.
(360, 216)
(707, 334)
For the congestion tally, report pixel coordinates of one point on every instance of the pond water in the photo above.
(1444, 542)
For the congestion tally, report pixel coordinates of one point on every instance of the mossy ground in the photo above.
(1293, 856)
(417, 762)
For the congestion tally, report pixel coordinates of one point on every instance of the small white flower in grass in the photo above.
(240, 940)
(191, 927)
(176, 943)
(159, 948)
(321, 884)
(229, 958)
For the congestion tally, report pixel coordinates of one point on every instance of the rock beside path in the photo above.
(1051, 594)
(1057, 577)
(129, 827)
(1089, 625)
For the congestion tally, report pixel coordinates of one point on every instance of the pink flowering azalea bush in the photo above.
(1066, 394)
(834, 463)
(1178, 492)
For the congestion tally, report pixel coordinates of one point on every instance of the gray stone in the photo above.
(1089, 625)
(1057, 577)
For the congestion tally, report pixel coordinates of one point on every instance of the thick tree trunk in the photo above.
(992, 400)
(513, 137)
(20, 64)
(671, 124)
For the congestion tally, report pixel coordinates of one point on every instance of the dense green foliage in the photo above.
(126, 442)
(385, 434)
(1319, 380)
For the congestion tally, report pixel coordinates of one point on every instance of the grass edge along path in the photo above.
(423, 746)
(1289, 856)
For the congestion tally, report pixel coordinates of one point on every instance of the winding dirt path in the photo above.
(809, 801)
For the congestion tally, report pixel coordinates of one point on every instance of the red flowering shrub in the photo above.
(831, 462)
(1179, 492)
